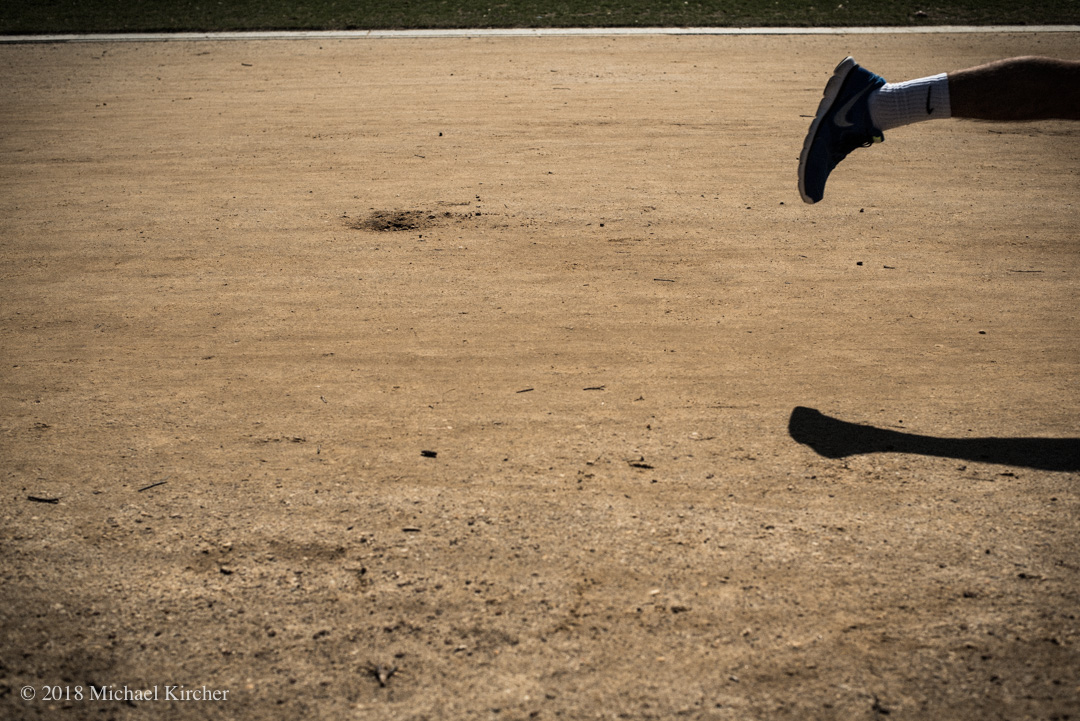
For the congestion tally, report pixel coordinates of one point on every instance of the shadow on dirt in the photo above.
(834, 438)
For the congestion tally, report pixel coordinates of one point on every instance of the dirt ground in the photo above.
(511, 379)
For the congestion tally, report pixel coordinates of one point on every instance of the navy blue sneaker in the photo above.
(841, 125)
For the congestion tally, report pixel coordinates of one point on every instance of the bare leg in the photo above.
(1027, 88)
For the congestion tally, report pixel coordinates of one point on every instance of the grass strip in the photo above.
(114, 16)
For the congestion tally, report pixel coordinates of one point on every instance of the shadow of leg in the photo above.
(834, 438)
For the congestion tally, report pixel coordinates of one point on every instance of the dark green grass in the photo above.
(80, 16)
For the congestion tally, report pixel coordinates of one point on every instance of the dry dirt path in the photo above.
(498, 362)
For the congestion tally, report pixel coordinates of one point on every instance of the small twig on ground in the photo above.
(382, 673)
(39, 499)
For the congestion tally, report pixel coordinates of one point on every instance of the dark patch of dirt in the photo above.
(384, 221)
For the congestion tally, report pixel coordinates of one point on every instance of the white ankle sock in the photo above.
(912, 101)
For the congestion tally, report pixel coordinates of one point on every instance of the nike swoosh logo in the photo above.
(929, 107)
(842, 114)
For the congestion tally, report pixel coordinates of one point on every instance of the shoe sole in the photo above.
(832, 90)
